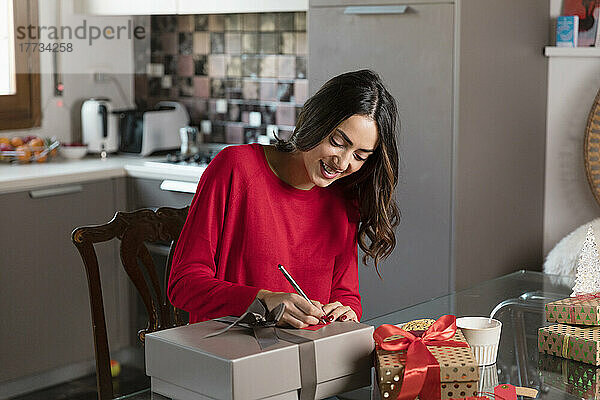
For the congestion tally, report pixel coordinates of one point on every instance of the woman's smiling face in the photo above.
(343, 152)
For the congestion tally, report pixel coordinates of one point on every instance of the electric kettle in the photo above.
(99, 126)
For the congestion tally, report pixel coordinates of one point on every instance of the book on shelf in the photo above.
(567, 29)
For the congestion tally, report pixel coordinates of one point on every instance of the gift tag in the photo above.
(315, 327)
(476, 398)
(526, 392)
(506, 391)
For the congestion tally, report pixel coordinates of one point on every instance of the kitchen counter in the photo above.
(17, 177)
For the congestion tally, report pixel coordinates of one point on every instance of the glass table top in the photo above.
(520, 298)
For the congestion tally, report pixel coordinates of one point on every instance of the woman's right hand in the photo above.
(298, 313)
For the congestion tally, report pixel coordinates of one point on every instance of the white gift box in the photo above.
(185, 365)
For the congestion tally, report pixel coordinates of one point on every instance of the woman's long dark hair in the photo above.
(358, 93)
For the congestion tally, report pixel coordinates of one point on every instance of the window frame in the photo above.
(23, 109)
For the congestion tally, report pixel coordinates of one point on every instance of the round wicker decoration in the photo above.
(591, 148)
(418, 324)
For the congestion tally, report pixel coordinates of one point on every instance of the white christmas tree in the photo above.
(588, 267)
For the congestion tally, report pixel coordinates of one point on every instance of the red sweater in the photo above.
(243, 221)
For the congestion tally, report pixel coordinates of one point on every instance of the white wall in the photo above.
(78, 67)
(572, 87)
(555, 8)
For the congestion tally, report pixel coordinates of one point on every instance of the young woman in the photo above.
(305, 203)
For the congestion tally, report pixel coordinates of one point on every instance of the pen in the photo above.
(295, 286)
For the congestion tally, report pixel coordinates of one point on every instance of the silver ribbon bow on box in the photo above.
(262, 323)
(257, 318)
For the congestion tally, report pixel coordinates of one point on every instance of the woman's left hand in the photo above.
(336, 311)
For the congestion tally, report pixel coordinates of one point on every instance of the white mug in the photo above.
(483, 335)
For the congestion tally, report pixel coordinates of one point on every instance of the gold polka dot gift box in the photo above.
(436, 350)
(580, 310)
(570, 341)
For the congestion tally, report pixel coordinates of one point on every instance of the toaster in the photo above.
(145, 132)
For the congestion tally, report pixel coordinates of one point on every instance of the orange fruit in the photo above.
(23, 153)
(36, 142)
(16, 141)
(39, 157)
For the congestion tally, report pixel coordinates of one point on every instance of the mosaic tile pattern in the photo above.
(226, 67)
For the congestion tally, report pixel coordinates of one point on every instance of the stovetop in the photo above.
(177, 172)
(191, 163)
(201, 158)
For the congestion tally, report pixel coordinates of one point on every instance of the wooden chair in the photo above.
(133, 229)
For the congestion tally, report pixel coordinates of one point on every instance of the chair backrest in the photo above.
(133, 229)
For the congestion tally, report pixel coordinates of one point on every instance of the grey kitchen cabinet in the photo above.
(44, 303)
(147, 193)
(469, 78)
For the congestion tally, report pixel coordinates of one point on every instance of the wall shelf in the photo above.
(553, 51)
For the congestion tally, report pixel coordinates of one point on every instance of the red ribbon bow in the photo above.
(578, 300)
(422, 370)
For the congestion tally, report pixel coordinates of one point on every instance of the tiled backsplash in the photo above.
(246, 73)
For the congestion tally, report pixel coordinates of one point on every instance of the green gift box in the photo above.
(581, 310)
(573, 342)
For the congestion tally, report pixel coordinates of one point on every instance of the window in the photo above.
(19, 71)
(7, 69)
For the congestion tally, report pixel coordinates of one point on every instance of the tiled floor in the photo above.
(130, 380)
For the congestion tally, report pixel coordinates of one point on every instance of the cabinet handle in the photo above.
(57, 191)
(179, 186)
(366, 10)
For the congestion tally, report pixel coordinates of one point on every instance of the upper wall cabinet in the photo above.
(148, 7)
(130, 7)
(239, 6)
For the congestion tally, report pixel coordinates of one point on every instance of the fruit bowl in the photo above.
(27, 149)
(73, 151)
